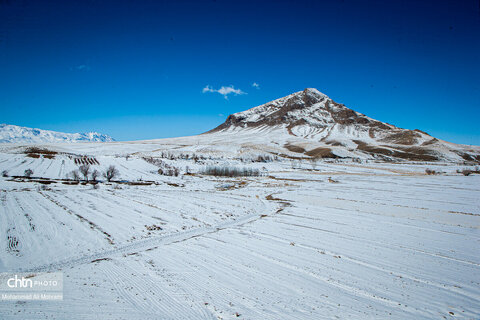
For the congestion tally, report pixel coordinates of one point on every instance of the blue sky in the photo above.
(138, 69)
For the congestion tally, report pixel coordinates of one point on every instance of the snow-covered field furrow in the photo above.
(383, 242)
(141, 244)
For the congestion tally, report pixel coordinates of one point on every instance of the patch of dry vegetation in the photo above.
(406, 153)
(321, 153)
(35, 152)
(293, 148)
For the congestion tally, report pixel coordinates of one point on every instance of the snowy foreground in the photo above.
(379, 241)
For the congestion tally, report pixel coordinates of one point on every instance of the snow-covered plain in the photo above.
(379, 241)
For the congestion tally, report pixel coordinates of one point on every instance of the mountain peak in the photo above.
(314, 93)
(309, 118)
(308, 107)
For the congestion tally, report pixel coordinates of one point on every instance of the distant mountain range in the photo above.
(17, 134)
(309, 123)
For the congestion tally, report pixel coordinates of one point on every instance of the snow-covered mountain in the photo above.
(17, 134)
(309, 122)
(303, 125)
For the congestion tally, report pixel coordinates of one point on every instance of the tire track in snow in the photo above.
(161, 300)
(131, 286)
(444, 287)
(351, 290)
(149, 243)
(384, 245)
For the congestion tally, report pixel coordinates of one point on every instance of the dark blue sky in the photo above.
(136, 69)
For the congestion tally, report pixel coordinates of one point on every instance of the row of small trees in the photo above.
(164, 168)
(85, 171)
(230, 172)
(27, 173)
(199, 157)
(183, 156)
(467, 172)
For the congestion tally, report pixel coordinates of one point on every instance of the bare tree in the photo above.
(75, 175)
(313, 163)
(84, 170)
(111, 173)
(95, 175)
(28, 173)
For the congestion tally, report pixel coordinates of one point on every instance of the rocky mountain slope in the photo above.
(17, 134)
(310, 123)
